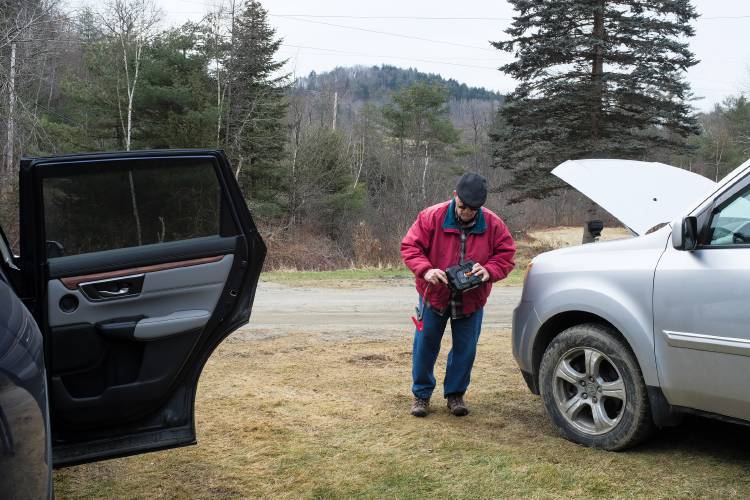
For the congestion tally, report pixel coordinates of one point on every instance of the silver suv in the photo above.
(624, 336)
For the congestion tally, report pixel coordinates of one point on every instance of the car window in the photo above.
(110, 208)
(731, 224)
(5, 250)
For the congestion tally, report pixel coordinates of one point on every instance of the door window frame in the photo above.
(721, 201)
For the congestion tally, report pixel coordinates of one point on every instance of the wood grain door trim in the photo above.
(72, 282)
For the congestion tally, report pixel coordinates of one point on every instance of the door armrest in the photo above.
(165, 326)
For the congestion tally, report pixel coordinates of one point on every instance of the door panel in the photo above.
(702, 341)
(163, 292)
(124, 349)
(145, 261)
(175, 254)
(72, 283)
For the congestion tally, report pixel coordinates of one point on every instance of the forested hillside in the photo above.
(354, 87)
(376, 83)
(336, 165)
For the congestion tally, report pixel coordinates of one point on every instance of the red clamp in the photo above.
(419, 318)
(418, 323)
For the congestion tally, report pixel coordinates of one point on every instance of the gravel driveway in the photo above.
(375, 312)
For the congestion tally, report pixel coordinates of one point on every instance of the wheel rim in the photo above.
(589, 391)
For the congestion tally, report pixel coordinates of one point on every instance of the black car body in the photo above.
(133, 267)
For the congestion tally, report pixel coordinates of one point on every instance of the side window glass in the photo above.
(731, 224)
(5, 250)
(108, 208)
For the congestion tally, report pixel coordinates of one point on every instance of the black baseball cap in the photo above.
(472, 189)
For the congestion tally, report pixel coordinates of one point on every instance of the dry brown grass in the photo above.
(308, 416)
(532, 243)
(565, 236)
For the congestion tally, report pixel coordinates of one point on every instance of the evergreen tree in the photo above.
(598, 78)
(177, 108)
(87, 116)
(418, 119)
(257, 107)
(175, 105)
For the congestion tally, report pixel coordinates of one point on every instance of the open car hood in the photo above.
(639, 194)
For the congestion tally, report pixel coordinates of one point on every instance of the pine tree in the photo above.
(418, 119)
(598, 78)
(174, 105)
(257, 106)
(178, 107)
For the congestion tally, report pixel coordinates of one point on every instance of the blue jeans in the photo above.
(465, 333)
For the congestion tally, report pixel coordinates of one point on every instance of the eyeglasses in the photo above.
(464, 206)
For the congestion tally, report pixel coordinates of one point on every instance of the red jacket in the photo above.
(434, 240)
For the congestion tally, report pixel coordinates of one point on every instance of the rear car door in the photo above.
(138, 265)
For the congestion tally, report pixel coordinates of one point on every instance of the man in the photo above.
(444, 235)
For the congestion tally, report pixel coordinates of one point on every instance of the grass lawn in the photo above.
(303, 416)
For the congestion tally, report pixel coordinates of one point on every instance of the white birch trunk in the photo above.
(424, 171)
(9, 164)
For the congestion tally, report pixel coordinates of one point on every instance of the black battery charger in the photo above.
(460, 277)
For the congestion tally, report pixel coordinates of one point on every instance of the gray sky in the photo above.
(460, 49)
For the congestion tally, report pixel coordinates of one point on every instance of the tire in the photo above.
(593, 389)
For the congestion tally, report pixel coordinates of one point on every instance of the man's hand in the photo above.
(435, 276)
(479, 270)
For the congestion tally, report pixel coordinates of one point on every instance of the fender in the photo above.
(630, 314)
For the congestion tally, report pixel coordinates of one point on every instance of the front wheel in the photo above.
(593, 389)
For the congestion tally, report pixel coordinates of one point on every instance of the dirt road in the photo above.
(373, 312)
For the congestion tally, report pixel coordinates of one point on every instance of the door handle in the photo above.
(121, 291)
(113, 288)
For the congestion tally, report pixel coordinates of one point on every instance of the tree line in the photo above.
(336, 165)
(325, 193)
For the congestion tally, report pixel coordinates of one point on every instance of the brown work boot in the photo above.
(419, 407)
(457, 406)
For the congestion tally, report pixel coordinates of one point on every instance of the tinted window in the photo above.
(5, 250)
(731, 224)
(104, 208)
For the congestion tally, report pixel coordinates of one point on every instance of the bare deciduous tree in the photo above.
(716, 131)
(28, 53)
(26, 28)
(131, 24)
(218, 30)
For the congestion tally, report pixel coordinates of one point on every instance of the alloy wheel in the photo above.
(589, 390)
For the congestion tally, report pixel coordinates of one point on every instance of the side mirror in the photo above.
(685, 233)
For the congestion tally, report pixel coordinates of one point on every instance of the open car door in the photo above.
(141, 263)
